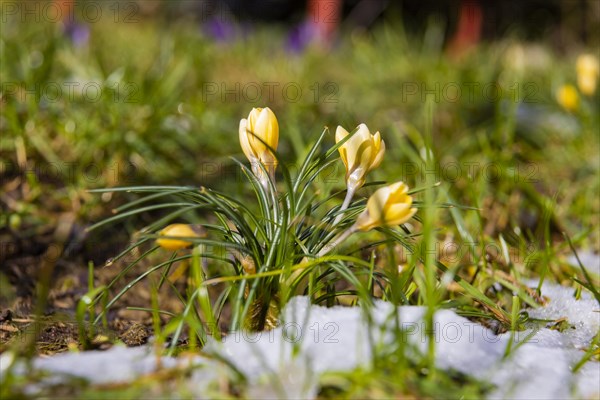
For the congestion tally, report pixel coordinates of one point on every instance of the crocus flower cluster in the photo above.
(588, 72)
(361, 152)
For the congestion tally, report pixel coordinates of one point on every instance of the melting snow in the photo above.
(286, 362)
(590, 261)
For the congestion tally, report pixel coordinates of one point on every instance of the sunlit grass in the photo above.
(498, 180)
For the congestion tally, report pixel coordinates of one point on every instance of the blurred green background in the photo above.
(122, 93)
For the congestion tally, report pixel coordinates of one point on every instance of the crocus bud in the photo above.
(568, 97)
(388, 206)
(257, 133)
(587, 73)
(360, 154)
(176, 230)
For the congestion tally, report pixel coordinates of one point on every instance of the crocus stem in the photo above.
(345, 204)
(265, 184)
(330, 246)
(272, 179)
(267, 180)
(270, 186)
(335, 242)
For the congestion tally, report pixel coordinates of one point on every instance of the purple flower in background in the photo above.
(300, 37)
(220, 30)
(78, 33)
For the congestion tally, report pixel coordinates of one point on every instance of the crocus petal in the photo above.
(587, 84)
(364, 155)
(377, 202)
(352, 146)
(396, 213)
(244, 143)
(267, 127)
(379, 155)
(340, 133)
(257, 146)
(363, 132)
(365, 222)
(587, 64)
(388, 206)
(360, 154)
(402, 217)
(568, 97)
(259, 137)
(176, 230)
(253, 116)
(588, 69)
(408, 214)
(398, 192)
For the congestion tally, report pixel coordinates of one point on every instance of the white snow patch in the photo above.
(582, 314)
(337, 339)
(287, 361)
(102, 366)
(590, 261)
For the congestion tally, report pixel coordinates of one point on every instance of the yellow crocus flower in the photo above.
(176, 230)
(587, 73)
(388, 206)
(568, 97)
(257, 133)
(360, 154)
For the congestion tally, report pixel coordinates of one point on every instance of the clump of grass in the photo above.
(263, 255)
(293, 241)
